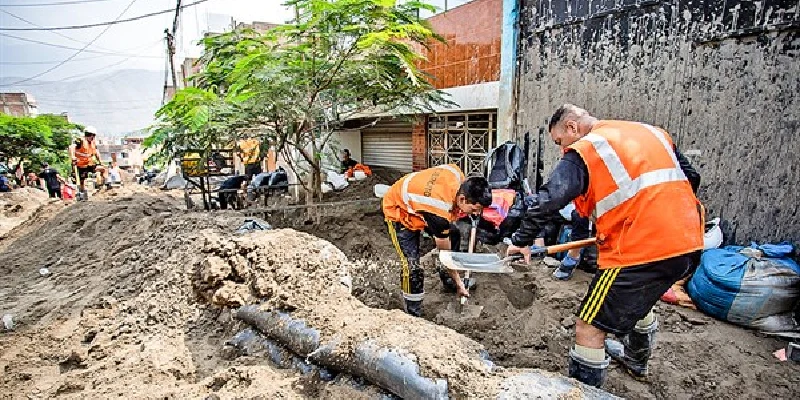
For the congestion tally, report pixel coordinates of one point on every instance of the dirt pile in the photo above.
(18, 205)
(117, 315)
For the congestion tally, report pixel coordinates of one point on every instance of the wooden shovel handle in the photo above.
(571, 245)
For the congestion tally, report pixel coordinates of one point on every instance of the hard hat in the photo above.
(90, 129)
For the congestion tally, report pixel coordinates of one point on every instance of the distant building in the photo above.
(129, 153)
(18, 105)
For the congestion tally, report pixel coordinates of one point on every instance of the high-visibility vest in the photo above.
(643, 205)
(84, 153)
(432, 190)
(250, 150)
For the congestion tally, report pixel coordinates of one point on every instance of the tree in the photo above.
(44, 138)
(298, 83)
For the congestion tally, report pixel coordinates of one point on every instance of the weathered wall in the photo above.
(722, 76)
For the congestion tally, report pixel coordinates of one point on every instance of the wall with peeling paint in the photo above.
(723, 77)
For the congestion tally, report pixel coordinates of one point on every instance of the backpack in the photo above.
(506, 166)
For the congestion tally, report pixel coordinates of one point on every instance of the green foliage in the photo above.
(44, 138)
(296, 84)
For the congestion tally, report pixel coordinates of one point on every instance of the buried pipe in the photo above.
(382, 366)
(398, 373)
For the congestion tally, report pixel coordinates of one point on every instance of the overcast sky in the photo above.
(141, 38)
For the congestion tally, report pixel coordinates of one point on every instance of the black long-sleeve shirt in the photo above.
(570, 179)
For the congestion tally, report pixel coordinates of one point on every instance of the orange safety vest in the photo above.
(84, 153)
(643, 205)
(432, 190)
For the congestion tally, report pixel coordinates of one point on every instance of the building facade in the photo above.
(18, 104)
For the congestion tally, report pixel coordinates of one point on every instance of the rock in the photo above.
(568, 322)
(215, 270)
(232, 294)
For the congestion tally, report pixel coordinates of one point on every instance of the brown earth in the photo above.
(138, 305)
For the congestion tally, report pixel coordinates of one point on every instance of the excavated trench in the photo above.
(527, 319)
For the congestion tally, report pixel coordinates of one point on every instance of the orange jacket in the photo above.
(432, 190)
(644, 206)
(84, 153)
(358, 167)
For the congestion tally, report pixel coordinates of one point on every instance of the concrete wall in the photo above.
(350, 139)
(722, 77)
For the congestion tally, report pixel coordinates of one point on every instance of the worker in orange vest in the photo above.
(430, 200)
(85, 157)
(630, 178)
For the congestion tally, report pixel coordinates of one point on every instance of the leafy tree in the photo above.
(44, 138)
(297, 84)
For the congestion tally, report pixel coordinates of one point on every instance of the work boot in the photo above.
(413, 307)
(566, 268)
(633, 350)
(589, 372)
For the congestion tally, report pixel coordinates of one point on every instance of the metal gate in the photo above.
(388, 144)
(462, 139)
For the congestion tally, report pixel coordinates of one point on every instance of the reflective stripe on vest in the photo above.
(428, 201)
(627, 188)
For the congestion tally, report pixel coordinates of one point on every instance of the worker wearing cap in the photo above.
(630, 178)
(85, 157)
(430, 200)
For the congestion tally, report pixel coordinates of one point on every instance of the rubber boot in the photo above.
(589, 372)
(566, 268)
(633, 350)
(413, 307)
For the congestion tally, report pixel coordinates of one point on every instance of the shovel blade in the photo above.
(477, 262)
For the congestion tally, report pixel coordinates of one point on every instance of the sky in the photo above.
(117, 92)
(143, 38)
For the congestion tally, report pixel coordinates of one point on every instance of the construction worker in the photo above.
(347, 161)
(430, 200)
(85, 157)
(630, 178)
(251, 157)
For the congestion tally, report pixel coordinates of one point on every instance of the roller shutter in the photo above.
(388, 144)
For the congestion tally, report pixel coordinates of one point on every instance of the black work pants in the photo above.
(406, 243)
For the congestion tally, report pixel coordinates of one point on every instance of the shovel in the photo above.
(492, 263)
(473, 310)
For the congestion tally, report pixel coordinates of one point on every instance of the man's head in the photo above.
(89, 133)
(473, 195)
(345, 154)
(569, 124)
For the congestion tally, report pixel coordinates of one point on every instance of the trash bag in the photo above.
(254, 224)
(755, 292)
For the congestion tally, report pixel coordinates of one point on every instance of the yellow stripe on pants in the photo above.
(598, 295)
(405, 284)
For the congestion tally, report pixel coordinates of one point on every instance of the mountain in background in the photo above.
(115, 103)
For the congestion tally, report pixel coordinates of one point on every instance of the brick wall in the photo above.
(419, 148)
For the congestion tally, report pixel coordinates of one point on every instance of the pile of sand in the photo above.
(18, 205)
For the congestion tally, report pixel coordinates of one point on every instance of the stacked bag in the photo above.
(757, 287)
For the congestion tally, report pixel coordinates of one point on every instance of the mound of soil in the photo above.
(18, 205)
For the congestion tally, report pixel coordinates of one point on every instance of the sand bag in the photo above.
(757, 287)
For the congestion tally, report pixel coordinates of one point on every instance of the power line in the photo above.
(76, 53)
(108, 23)
(75, 48)
(63, 3)
(37, 25)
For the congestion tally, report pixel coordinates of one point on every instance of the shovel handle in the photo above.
(569, 246)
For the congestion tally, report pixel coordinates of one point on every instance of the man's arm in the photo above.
(440, 229)
(691, 174)
(569, 179)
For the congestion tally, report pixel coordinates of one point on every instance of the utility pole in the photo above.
(171, 55)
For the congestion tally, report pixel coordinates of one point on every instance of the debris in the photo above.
(44, 271)
(8, 322)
